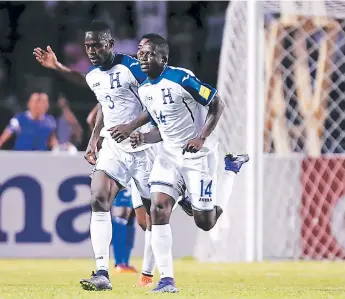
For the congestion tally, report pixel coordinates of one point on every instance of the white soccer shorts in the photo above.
(199, 176)
(122, 166)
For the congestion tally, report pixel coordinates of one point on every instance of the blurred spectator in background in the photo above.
(124, 43)
(34, 128)
(69, 131)
(75, 57)
(151, 16)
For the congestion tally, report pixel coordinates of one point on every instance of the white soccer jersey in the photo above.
(177, 102)
(116, 89)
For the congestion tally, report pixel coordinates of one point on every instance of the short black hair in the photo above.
(101, 27)
(152, 35)
(161, 45)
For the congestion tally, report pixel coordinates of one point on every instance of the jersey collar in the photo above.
(160, 77)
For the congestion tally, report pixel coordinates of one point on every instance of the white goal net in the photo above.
(282, 77)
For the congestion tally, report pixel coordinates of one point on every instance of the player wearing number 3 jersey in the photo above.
(114, 79)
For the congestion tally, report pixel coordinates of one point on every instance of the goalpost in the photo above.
(282, 78)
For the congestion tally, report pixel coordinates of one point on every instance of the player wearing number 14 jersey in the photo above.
(114, 79)
(185, 112)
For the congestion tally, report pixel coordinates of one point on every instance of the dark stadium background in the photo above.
(194, 31)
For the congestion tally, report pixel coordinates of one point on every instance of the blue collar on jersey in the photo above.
(160, 77)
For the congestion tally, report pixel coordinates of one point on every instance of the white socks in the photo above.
(225, 187)
(149, 263)
(101, 234)
(161, 247)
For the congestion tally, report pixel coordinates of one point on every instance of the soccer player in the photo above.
(34, 128)
(114, 79)
(186, 111)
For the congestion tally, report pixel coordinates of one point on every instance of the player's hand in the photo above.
(193, 145)
(136, 139)
(121, 132)
(90, 153)
(46, 58)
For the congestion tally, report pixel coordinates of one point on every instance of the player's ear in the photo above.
(165, 60)
(111, 43)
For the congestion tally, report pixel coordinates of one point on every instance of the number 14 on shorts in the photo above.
(205, 188)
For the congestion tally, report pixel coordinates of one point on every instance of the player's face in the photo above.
(141, 43)
(151, 61)
(97, 49)
(38, 104)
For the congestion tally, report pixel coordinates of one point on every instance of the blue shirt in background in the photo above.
(32, 134)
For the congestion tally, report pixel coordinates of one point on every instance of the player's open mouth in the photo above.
(144, 66)
(93, 59)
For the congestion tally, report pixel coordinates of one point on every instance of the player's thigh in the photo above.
(112, 162)
(200, 176)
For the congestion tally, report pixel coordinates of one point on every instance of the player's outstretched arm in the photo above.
(48, 60)
(5, 136)
(90, 154)
(215, 111)
(137, 138)
(122, 132)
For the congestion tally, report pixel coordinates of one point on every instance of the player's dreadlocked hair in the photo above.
(161, 45)
(101, 27)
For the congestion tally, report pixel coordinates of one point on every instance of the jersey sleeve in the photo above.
(201, 92)
(14, 124)
(134, 67)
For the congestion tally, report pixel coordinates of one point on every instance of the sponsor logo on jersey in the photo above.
(96, 84)
(205, 199)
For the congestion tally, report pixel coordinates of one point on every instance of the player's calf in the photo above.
(161, 207)
(140, 214)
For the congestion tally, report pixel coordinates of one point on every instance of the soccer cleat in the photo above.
(123, 268)
(165, 285)
(99, 281)
(234, 162)
(145, 281)
(186, 205)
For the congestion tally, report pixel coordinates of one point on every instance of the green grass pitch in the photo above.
(37, 279)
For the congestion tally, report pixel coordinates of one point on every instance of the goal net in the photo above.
(282, 77)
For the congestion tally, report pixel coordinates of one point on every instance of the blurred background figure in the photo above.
(34, 129)
(123, 219)
(69, 131)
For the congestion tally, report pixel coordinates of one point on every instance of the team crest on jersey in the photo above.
(96, 84)
(204, 92)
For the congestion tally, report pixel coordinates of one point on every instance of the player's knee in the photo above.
(204, 225)
(203, 222)
(100, 201)
(160, 214)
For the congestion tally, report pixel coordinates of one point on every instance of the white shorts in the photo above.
(199, 176)
(122, 166)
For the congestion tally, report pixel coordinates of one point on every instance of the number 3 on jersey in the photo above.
(205, 191)
(111, 104)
